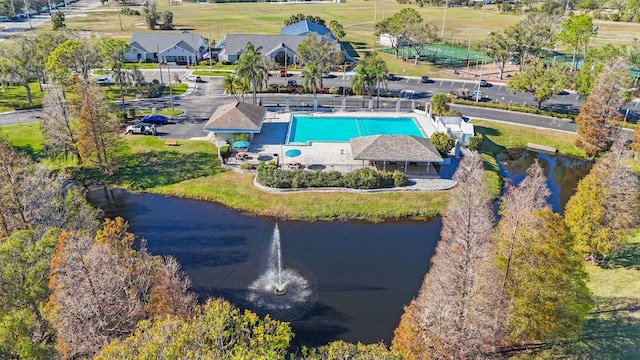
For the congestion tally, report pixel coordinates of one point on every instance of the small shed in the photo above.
(236, 117)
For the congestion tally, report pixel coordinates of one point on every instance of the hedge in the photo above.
(364, 178)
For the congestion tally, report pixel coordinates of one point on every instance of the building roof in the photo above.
(236, 43)
(394, 148)
(236, 117)
(305, 27)
(159, 41)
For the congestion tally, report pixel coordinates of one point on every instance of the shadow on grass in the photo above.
(611, 331)
(33, 153)
(628, 258)
(156, 168)
(488, 146)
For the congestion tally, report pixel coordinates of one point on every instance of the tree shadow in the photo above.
(628, 258)
(488, 146)
(155, 168)
(33, 153)
(611, 331)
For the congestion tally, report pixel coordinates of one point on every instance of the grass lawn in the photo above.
(237, 191)
(15, 97)
(26, 137)
(613, 327)
(499, 136)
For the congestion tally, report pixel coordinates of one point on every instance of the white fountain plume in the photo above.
(279, 288)
(276, 259)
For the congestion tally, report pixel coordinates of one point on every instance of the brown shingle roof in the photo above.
(236, 117)
(394, 148)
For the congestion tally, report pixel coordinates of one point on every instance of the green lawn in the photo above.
(26, 137)
(15, 97)
(613, 327)
(499, 136)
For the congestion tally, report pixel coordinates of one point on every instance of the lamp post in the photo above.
(170, 89)
(469, 50)
(344, 80)
(444, 19)
(159, 63)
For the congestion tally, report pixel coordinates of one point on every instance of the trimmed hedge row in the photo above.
(359, 179)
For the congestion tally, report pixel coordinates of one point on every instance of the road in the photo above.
(199, 105)
(71, 9)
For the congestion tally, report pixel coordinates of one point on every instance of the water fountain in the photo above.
(279, 288)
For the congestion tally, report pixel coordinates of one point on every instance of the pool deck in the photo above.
(269, 144)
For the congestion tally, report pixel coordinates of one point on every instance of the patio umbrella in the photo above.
(240, 144)
(293, 153)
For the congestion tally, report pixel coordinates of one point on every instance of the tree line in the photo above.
(496, 289)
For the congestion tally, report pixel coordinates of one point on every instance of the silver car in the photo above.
(140, 128)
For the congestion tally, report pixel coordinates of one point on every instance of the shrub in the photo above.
(400, 179)
(155, 90)
(475, 142)
(246, 166)
(443, 142)
(239, 137)
(358, 179)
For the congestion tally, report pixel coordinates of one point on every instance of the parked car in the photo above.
(326, 74)
(477, 95)
(283, 73)
(194, 78)
(291, 82)
(391, 77)
(155, 119)
(484, 83)
(139, 128)
(103, 81)
(424, 79)
(4, 19)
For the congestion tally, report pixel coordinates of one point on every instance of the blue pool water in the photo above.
(305, 129)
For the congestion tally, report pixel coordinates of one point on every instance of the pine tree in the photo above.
(449, 317)
(600, 116)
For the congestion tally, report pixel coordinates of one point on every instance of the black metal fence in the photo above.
(331, 102)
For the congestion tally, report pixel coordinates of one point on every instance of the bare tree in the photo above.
(448, 319)
(59, 135)
(170, 294)
(600, 116)
(103, 286)
(96, 126)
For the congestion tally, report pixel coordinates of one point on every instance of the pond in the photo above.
(563, 172)
(360, 274)
(357, 276)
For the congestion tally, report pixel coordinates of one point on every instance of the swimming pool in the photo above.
(304, 129)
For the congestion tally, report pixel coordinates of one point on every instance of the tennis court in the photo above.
(443, 55)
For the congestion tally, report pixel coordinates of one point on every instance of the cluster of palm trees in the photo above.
(252, 73)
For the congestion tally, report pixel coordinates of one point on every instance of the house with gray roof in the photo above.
(276, 47)
(166, 46)
(306, 27)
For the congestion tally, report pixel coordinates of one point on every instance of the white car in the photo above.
(477, 95)
(194, 78)
(139, 128)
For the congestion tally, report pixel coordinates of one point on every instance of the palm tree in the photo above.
(379, 74)
(252, 68)
(360, 81)
(229, 83)
(371, 72)
(312, 77)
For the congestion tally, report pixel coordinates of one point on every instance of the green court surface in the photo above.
(444, 55)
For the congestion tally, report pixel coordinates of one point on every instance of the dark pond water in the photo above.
(563, 172)
(360, 274)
